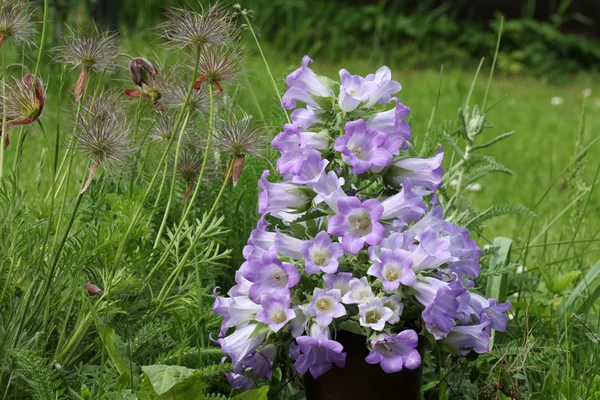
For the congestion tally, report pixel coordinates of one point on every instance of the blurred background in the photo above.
(547, 38)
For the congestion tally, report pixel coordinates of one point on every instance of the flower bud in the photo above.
(141, 71)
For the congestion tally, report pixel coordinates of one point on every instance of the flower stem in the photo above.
(164, 292)
(245, 15)
(4, 133)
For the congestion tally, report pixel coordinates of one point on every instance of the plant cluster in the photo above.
(358, 241)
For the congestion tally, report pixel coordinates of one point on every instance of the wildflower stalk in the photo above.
(156, 172)
(173, 180)
(262, 55)
(4, 127)
(135, 129)
(170, 281)
(211, 121)
(187, 209)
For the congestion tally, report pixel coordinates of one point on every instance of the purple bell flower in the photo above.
(393, 268)
(393, 124)
(432, 251)
(374, 314)
(239, 381)
(241, 343)
(441, 301)
(406, 202)
(275, 311)
(318, 356)
(321, 254)
(304, 118)
(427, 173)
(352, 91)
(326, 306)
(261, 362)
(328, 189)
(360, 291)
(277, 198)
(471, 337)
(357, 223)
(363, 147)
(494, 311)
(340, 281)
(381, 87)
(242, 310)
(395, 352)
(270, 275)
(287, 245)
(311, 169)
(395, 304)
(303, 83)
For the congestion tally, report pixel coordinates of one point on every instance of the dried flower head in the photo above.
(164, 128)
(218, 65)
(185, 28)
(24, 102)
(238, 137)
(15, 22)
(189, 166)
(89, 49)
(107, 105)
(104, 139)
(175, 93)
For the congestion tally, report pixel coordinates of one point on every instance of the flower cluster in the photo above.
(352, 238)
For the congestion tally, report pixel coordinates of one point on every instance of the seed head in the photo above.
(219, 65)
(185, 28)
(164, 128)
(15, 22)
(104, 138)
(175, 93)
(91, 49)
(239, 136)
(24, 102)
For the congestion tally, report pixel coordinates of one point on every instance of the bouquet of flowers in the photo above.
(352, 238)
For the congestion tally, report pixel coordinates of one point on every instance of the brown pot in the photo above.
(360, 380)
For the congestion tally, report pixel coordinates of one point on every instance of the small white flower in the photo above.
(454, 182)
(587, 92)
(556, 100)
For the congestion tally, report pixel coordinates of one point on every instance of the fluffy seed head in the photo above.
(189, 164)
(218, 65)
(175, 93)
(24, 100)
(164, 128)
(102, 136)
(91, 49)
(185, 28)
(239, 136)
(15, 22)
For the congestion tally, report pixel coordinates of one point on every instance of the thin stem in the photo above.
(173, 180)
(245, 15)
(188, 207)
(42, 40)
(163, 158)
(4, 133)
(164, 292)
(135, 129)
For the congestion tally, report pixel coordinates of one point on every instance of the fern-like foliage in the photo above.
(497, 211)
(42, 380)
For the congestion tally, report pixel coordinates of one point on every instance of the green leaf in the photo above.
(497, 285)
(352, 326)
(255, 394)
(117, 350)
(583, 287)
(563, 281)
(164, 377)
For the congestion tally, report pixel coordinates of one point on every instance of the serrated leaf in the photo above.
(497, 211)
